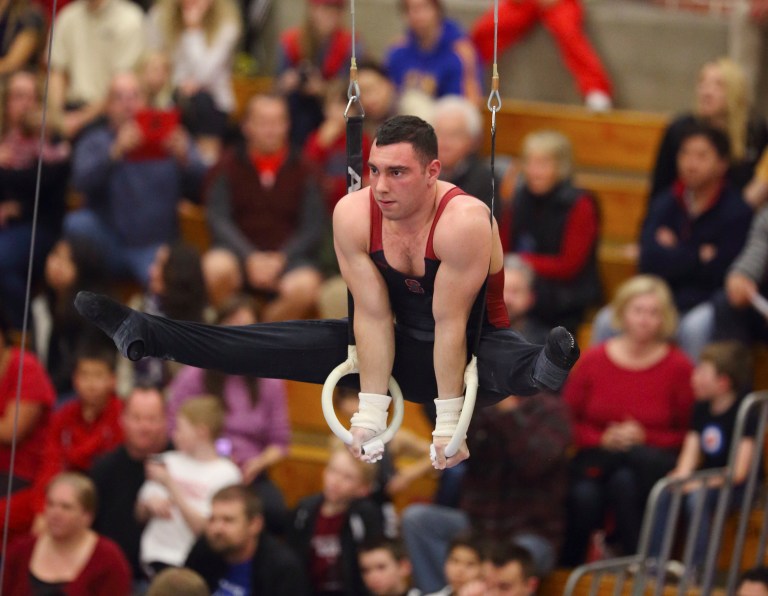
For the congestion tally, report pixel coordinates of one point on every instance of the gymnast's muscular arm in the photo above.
(374, 326)
(463, 243)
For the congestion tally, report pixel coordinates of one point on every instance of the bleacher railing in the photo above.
(648, 571)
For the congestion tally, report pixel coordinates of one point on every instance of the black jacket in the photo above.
(363, 523)
(275, 568)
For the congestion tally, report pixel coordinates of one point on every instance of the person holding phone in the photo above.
(132, 177)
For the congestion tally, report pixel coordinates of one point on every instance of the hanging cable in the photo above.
(27, 299)
(374, 448)
(470, 373)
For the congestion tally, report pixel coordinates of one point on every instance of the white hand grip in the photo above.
(348, 367)
(470, 396)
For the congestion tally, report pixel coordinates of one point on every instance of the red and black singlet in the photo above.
(411, 296)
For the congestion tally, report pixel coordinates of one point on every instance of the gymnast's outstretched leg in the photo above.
(297, 350)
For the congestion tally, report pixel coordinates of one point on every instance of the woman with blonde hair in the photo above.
(200, 36)
(67, 557)
(554, 226)
(630, 400)
(722, 100)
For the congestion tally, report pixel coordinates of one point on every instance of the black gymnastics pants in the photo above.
(308, 351)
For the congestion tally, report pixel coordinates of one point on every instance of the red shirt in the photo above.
(73, 443)
(325, 561)
(105, 574)
(660, 397)
(36, 388)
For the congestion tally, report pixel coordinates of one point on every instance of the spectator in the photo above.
(436, 57)
(630, 401)
(565, 21)
(519, 298)
(95, 40)
(178, 582)
(176, 499)
(71, 266)
(720, 379)
(386, 569)
(19, 152)
(721, 101)
(756, 192)
(223, 276)
(93, 565)
(256, 427)
(458, 126)
(119, 475)
(87, 426)
(236, 555)
(463, 562)
(310, 56)
(513, 488)
(746, 279)
(264, 205)
(753, 582)
(25, 425)
(176, 290)
(694, 231)
(132, 183)
(508, 570)
(155, 77)
(25, 27)
(405, 460)
(554, 226)
(329, 526)
(377, 94)
(200, 37)
(326, 147)
(746, 38)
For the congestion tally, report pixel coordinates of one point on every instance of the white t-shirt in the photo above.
(169, 540)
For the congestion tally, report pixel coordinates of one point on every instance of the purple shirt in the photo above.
(249, 428)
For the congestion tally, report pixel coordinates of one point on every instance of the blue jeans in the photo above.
(125, 262)
(429, 529)
(14, 263)
(695, 330)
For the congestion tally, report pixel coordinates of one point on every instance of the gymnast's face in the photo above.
(402, 185)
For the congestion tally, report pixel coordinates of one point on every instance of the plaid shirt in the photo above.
(516, 476)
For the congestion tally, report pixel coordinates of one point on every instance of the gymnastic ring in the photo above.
(349, 366)
(470, 396)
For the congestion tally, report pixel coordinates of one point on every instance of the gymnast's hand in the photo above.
(440, 462)
(360, 436)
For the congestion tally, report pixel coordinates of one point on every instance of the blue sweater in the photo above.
(136, 199)
(724, 224)
(438, 71)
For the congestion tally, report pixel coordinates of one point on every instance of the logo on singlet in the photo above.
(414, 286)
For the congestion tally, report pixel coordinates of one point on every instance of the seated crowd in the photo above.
(149, 477)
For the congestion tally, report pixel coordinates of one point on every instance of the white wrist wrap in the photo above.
(448, 411)
(373, 411)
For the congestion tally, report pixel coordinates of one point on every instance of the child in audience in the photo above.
(85, 427)
(463, 565)
(719, 381)
(176, 499)
(328, 527)
(386, 568)
(390, 478)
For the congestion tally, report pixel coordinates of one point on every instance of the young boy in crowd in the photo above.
(176, 499)
(719, 381)
(508, 570)
(328, 527)
(386, 568)
(87, 426)
(463, 565)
